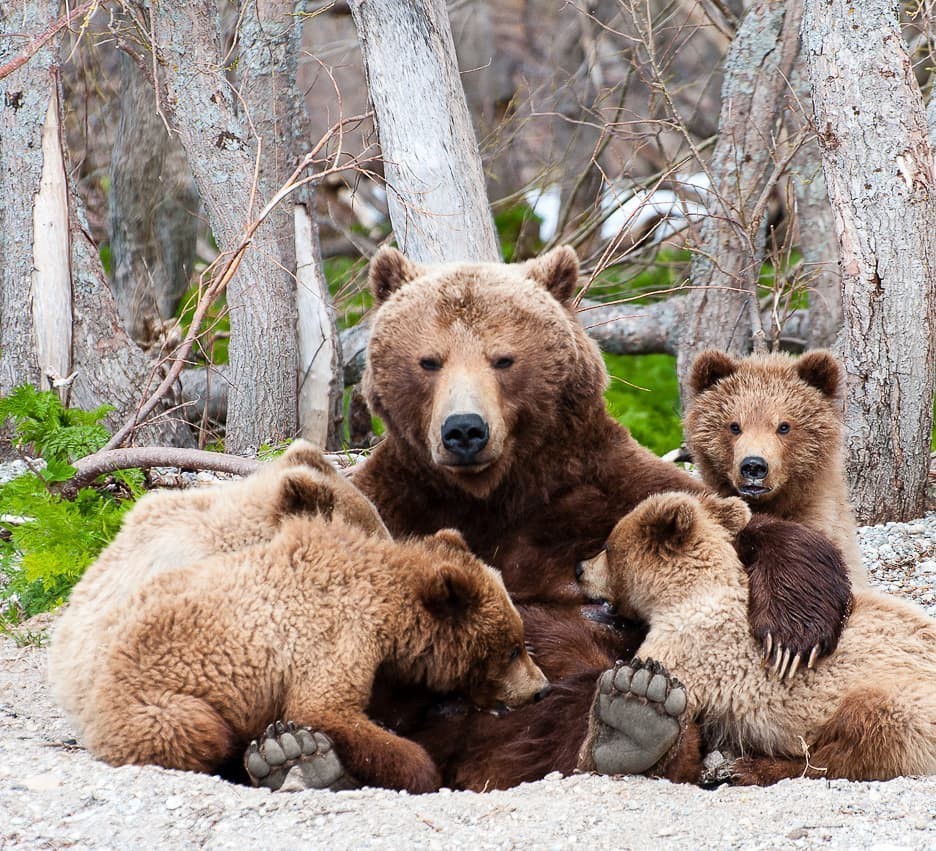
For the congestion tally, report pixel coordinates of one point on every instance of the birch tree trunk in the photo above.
(270, 34)
(435, 183)
(727, 262)
(879, 170)
(105, 364)
(199, 103)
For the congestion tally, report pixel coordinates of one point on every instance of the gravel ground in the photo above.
(56, 796)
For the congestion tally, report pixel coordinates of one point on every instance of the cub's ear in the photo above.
(670, 520)
(710, 367)
(557, 271)
(821, 370)
(390, 270)
(730, 512)
(301, 453)
(453, 538)
(301, 493)
(449, 592)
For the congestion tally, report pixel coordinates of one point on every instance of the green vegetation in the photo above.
(644, 396)
(46, 542)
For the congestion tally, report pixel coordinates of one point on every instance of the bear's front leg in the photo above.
(637, 725)
(799, 595)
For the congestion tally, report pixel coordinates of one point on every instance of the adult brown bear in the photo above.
(492, 398)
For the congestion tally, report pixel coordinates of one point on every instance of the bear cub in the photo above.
(867, 713)
(205, 656)
(769, 428)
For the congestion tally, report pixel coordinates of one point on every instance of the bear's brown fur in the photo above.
(769, 428)
(867, 713)
(169, 529)
(492, 397)
(205, 656)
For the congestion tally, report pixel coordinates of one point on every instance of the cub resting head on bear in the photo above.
(868, 712)
(193, 661)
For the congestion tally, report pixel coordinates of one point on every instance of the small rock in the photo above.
(173, 802)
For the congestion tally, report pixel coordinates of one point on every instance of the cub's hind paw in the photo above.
(636, 717)
(306, 757)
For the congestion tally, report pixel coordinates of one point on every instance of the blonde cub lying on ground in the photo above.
(868, 712)
(169, 529)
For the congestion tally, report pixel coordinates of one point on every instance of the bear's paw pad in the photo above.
(291, 758)
(637, 712)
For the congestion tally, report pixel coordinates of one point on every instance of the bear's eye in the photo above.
(431, 364)
(504, 363)
(735, 428)
(515, 653)
(783, 428)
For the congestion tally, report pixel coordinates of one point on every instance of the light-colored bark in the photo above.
(153, 212)
(435, 184)
(199, 103)
(727, 262)
(320, 374)
(880, 174)
(108, 367)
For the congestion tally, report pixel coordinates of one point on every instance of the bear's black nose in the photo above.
(546, 689)
(754, 467)
(464, 435)
(579, 569)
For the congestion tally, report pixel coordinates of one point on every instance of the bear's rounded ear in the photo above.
(453, 538)
(390, 270)
(710, 367)
(556, 271)
(301, 453)
(731, 512)
(670, 520)
(449, 591)
(821, 370)
(301, 493)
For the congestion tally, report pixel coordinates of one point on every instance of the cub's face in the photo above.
(478, 642)
(763, 426)
(473, 366)
(663, 550)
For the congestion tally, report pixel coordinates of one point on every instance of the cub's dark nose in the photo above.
(464, 435)
(546, 689)
(754, 467)
(579, 569)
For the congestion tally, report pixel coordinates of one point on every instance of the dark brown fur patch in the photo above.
(300, 493)
(821, 370)
(799, 587)
(709, 368)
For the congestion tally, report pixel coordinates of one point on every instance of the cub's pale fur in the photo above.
(170, 529)
(867, 712)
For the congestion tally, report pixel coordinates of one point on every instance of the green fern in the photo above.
(49, 541)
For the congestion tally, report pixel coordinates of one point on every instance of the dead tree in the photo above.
(435, 184)
(880, 174)
(723, 311)
(58, 322)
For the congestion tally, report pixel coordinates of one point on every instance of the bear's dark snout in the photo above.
(579, 569)
(546, 689)
(754, 467)
(465, 435)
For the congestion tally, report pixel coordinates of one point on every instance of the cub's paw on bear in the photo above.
(868, 712)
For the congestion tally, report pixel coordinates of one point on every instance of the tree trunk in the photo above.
(435, 183)
(107, 367)
(879, 170)
(270, 34)
(199, 103)
(727, 262)
(153, 212)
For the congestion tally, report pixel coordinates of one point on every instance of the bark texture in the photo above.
(108, 367)
(199, 103)
(435, 183)
(727, 261)
(153, 209)
(879, 170)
